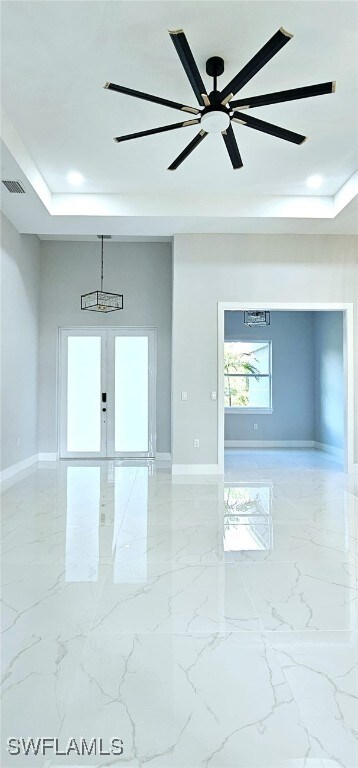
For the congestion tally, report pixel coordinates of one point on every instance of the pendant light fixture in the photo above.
(102, 301)
(256, 317)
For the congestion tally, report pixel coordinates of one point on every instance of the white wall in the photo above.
(292, 418)
(20, 283)
(329, 378)
(262, 268)
(143, 273)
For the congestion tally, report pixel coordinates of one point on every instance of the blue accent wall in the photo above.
(307, 378)
(329, 378)
(292, 337)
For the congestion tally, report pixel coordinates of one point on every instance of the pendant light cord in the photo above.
(102, 263)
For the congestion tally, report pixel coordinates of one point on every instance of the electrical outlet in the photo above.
(18, 441)
(184, 395)
(196, 442)
(255, 426)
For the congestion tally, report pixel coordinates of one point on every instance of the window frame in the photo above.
(241, 409)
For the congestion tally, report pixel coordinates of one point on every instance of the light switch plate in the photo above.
(184, 395)
(213, 395)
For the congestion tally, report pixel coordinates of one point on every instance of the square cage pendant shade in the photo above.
(102, 301)
(256, 317)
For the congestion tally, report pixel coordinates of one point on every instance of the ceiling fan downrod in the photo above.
(214, 68)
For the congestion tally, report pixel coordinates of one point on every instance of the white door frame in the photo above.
(347, 309)
(64, 333)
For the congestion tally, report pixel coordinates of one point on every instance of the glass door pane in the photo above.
(107, 392)
(84, 394)
(131, 409)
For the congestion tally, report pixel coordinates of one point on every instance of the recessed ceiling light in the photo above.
(75, 178)
(314, 182)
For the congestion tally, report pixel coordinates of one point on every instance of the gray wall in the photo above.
(253, 268)
(143, 273)
(291, 334)
(329, 378)
(20, 281)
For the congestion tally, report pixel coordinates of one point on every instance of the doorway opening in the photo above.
(107, 393)
(286, 385)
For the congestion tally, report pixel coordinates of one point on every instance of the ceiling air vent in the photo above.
(14, 186)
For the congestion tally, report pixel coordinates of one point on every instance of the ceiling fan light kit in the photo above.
(217, 110)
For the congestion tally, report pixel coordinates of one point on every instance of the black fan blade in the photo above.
(162, 129)
(279, 96)
(149, 97)
(187, 59)
(274, 130)
(186, 152)
(232, 148)
(279, 39)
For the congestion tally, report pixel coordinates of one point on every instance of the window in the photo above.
(247, 368)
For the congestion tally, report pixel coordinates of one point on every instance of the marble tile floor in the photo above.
(208, 623)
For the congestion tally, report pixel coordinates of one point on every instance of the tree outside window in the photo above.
(247, 369)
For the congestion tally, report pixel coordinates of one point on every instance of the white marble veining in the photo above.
(202, 689)
(208, 623)
(321, 670)
(308, 594)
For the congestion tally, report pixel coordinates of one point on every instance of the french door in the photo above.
(107, 392)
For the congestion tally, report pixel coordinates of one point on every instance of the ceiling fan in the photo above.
(217, 109)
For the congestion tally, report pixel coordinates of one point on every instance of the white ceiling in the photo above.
(56, 56)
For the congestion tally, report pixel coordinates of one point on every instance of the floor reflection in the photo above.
(132, 531)
(90, 517)
(82, 524)
(247, 517)
(107, 517)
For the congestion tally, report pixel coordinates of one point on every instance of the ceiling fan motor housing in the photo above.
(215, 66)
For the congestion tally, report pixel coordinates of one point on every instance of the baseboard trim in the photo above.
(269, 444)
(9, 476)
(329, 449)
(163, 456)
(195, 469)
(47, 456)
(9, 472)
